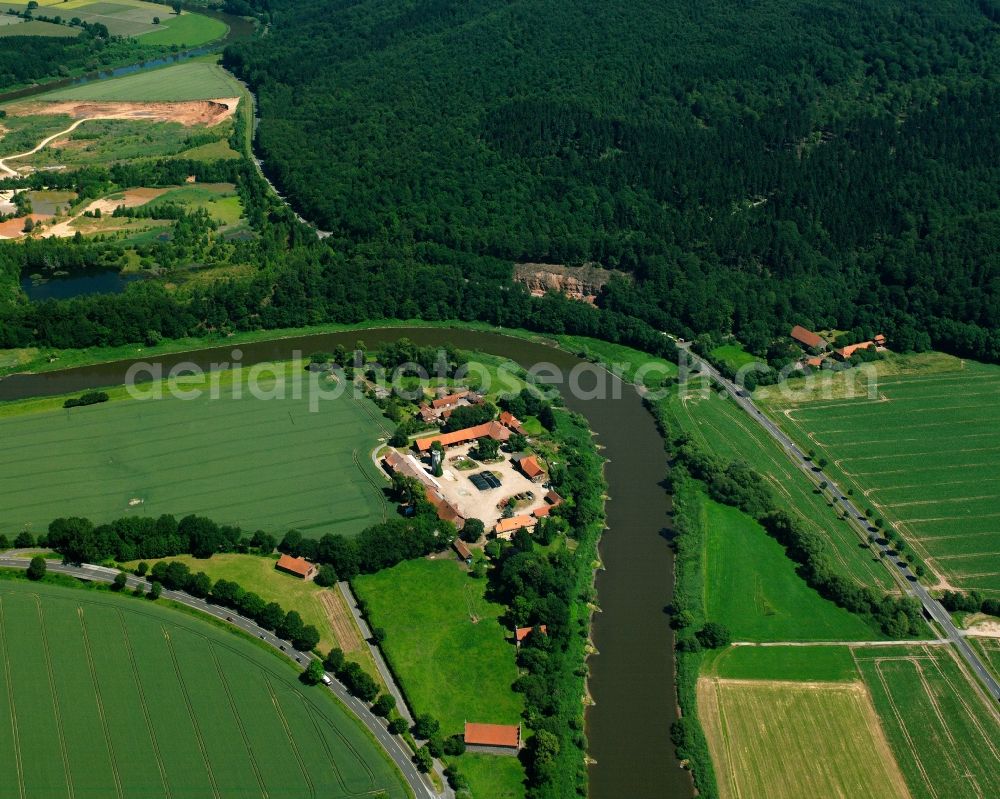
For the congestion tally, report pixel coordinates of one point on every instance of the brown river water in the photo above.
(631, 680)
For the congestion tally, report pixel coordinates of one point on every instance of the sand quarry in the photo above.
(188, 112)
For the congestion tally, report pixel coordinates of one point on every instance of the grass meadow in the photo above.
(260, 463)
(324, 608)
(191, 80)
(925, 455)
(722, 428)
(785, 663)
(771, 740)
(103, 695)
(444, 641)
(944, 731)
(752, 587)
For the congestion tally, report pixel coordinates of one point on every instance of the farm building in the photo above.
(462, 550)
(450, 401)
(531, 468)
(520, 633)
(493, 737)
(505, 528)
(300, 567)
(807, 338)
(396, 463)
(846, 352)
(510, 420)
(493, 430)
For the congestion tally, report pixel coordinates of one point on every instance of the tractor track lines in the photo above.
(56, 710)
(288, 734)
(10, 701)
(89, 654)
(191, 713)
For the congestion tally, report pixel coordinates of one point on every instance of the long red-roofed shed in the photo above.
(504, 735)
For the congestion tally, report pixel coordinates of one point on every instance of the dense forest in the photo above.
(750, 165)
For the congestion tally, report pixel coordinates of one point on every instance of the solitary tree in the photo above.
(177, 8)
(37, 567)
(313, 675)
(141, 568)
(714, 635)
(425, 726)
(384, 705)
(397, 726)
(156, 20)
(473, 530)
(335, 660)
(154, 591)
(121, 580)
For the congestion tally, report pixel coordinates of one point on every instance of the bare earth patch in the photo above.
(188, 112)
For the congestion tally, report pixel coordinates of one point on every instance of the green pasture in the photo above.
(626, 361)
(723, 429)
(219, 199)
(493, 777)
(115, 696)
(35, 27)
(128, 18)
(925, 454)
(445, 642)
(795, 663)
(264, 463)
(944, 732)
(752, 587)
(192, 80)
(734, 355)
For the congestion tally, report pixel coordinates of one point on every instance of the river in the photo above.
(632, 676)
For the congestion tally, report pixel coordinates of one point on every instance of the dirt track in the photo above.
(188, 113)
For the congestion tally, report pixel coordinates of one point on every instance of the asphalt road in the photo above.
(395, 747)
(900, 567)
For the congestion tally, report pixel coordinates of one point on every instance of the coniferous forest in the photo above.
(744, 166)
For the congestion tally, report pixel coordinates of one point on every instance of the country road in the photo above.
(858, 520)
(393, 746)
(43, 143)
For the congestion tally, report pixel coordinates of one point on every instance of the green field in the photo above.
(259, 463)
(720, 427)
(127, 18)
(752, 587)
(772, 740)
(493, 777)
(945, 733)
(219, 199)
(788, 663)
(256, 573)
(441, 633)
(734, 355)
(926, 454)
(36, 27)
(104, 696)
(192, 80)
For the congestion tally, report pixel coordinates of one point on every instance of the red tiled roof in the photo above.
(539, 512)
(299, 566)
(493, 735)
(514, 523)
(451, 399)
(462, 549)
(807, 337)
(815, 361)
(879, 339)
(445, 510)
(511, 421)
(529, 465)
(491, 429)
(850, 349)
(523, 632)
(554, 499)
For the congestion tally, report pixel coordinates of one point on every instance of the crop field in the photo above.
(322, 607)
(104, 696)
(440, 633)
(926, 455)
(129, 18)
(720, 427)
(772, 739)
(944, 731)
(36, 27)
(752, 587)
(192, 80)
(260, 463)
(989, 650)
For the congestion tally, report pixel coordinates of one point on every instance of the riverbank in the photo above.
(631, 679)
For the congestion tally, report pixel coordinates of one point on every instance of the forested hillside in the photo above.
(752, 164)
